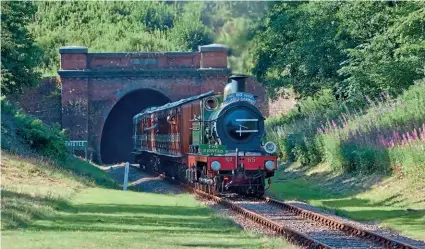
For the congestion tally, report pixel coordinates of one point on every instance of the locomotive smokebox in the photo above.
(237, 84)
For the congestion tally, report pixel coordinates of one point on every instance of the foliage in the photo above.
(189, 31)
(387, 134)
(117, 27)
(393, 58)
(346, 61)
(19, 55)
(375, 141)
(352, 48)
(145, 26)
(45, 139)
(294, 132)
(289, 52)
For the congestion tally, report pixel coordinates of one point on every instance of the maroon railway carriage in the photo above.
(216, 140)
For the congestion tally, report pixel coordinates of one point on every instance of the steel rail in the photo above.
(347, 228)
(291, 235)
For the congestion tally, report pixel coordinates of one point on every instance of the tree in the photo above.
(352, 48)
(19, 54)
(391, 56)
(130, 26)
(298, 47)
(189, 32)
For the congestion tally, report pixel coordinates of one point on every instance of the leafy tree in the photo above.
(189, 32)
(298, 47)
(391, 59)
(19, 55)
(118, 27)
(353, 48)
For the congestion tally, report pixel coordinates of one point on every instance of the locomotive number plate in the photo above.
(212, 149)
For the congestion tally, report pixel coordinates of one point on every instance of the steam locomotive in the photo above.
(210, 139)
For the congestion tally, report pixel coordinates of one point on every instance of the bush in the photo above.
(389, 133)
(45, 139)
(370, 142)
(409, 159)
(295, 133)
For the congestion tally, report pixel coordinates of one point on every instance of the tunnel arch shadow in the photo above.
(116, 142)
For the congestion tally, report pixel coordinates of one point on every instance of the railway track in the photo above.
(300, 226)
(303, 227)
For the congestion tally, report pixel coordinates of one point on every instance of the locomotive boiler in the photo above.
(216, 140)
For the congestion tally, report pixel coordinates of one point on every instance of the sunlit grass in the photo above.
(44, 206)
(105, 218)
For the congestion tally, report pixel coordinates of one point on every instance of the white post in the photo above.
(127, 168)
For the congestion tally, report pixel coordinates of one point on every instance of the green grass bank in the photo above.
(48, 207)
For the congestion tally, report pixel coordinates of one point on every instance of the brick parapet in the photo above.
(208, 56)
(73, 58)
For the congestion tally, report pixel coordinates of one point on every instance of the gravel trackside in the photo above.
(141, 181)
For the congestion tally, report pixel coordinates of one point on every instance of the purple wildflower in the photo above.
(415, 134)
(404, 140)
(334, 125)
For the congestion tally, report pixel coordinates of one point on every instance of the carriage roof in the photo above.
(171, 105)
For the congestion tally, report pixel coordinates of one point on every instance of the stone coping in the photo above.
(73, 50)
(105, 73)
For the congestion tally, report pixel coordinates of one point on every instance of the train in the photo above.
(216, 140)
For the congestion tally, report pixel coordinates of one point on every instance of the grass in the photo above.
(394, 202)
(103, 218)
(33, 186)
(90, 171)
(44, 206)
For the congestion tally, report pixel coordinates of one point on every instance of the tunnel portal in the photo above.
(116, 142)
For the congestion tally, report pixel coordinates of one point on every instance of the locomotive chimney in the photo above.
(237, 84)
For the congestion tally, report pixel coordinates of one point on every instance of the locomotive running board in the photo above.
(158, 153)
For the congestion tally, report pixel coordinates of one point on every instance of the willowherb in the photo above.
(406, 138)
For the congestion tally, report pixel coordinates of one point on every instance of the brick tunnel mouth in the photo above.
(116, 143)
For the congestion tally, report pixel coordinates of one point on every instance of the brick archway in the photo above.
(116, 141)
(92, 83)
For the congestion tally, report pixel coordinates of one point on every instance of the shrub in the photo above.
(369, 142)
(387, 133)
(45, 139)
(295, 133)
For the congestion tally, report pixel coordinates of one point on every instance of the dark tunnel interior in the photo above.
(116, 143)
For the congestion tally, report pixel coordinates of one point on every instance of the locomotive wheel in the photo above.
(260, 190)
